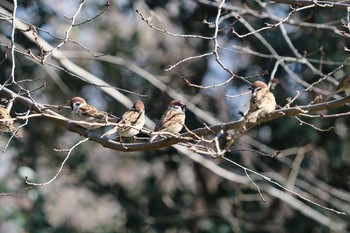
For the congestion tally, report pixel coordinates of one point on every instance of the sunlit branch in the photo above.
(173, 140)
(12, 77)
(59, 170)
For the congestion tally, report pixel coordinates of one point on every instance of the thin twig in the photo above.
(16, 192)
(12, 76)
(257, 187)
(312, 126)
(284, 188)
(170, 33)
(59, 170)
(67, 33)
(107, 5)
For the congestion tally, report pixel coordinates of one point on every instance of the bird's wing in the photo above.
(91, 114)
(170, 117)
(131, 117)
(343, 84)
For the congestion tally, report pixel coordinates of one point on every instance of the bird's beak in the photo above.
(63, 105)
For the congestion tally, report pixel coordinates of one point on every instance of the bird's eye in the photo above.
(256, 89)
(77, 104)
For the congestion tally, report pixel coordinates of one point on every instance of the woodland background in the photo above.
(172, 189)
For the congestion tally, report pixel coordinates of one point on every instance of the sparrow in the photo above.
(131, 123)
(7, 126)
(172, 120)
(343, 86)
(81, 111)
(262, 102)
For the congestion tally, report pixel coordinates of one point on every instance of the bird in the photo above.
(131, 122)
(81, 111)
(173, 119)
(343, 86)
(262, 102)
(7, 126)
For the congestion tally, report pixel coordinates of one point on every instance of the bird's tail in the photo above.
(109, 133)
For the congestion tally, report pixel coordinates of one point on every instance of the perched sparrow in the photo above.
(7, 126)
(172, 120)
(134, 120)
(81, 111)
(343, 86)
(262, 102)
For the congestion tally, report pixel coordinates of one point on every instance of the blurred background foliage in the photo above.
(100, 190)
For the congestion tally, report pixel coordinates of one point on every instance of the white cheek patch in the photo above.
(81, 105)
(77, 105)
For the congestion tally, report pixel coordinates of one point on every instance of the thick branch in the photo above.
(235, 125)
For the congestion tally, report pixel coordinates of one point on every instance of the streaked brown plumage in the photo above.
(344, 84)
(134, 117)
(172, 120)
(81, 111)
(7, 126)
(262, 102)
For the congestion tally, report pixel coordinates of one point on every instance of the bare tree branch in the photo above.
(315, 3)
(237, 125)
